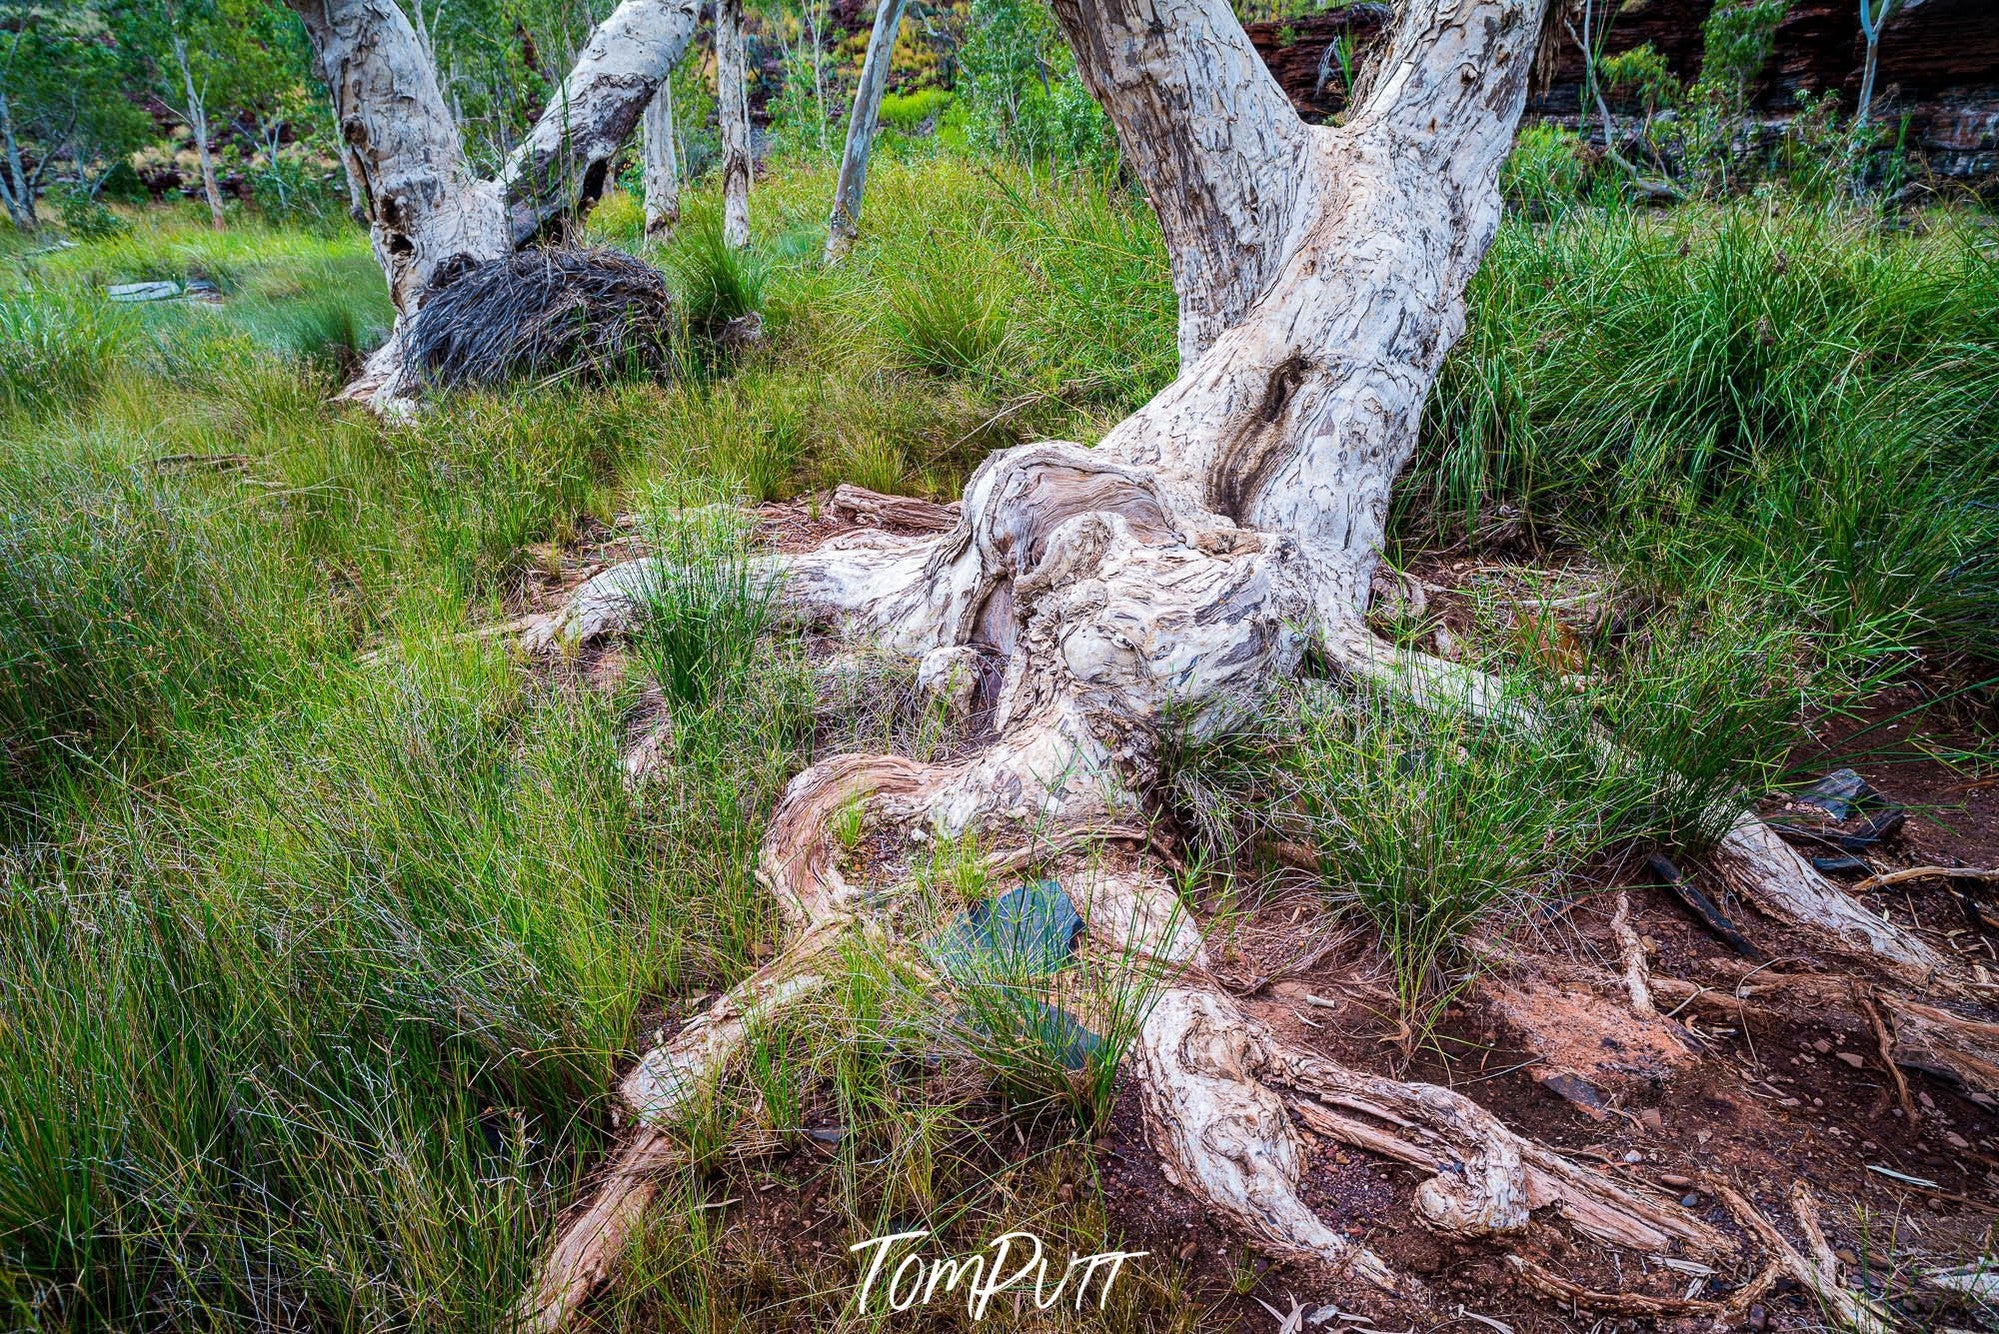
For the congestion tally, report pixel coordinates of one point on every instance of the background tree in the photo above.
(861, 125)
(1874, 16)
(63, 103)
(732, 101)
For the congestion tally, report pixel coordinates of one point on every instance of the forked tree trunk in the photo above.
(846, 220)
(732, 111)
(406, 163)
(1160, 581)
(197, 124)
(662, 167)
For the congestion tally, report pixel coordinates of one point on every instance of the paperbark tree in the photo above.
(406, 162)
(662, 166)
(842, 227)
(1874, 15)
(732, 111)
(195, 111)
(1107, 598)
(1171, 572)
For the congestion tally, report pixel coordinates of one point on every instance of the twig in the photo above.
(1636, 975)
(1888, 1056)
(1922, 873)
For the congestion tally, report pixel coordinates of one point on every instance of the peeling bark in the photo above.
(1154, 585)
(563, 165)
(662, 169)
(424, 207)
(732, 110)
(845, 223)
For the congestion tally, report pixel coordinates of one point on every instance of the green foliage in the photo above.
(84, 217)
(1022, 93)
(1802, 400)
(948, 322)
(705, 604)
(1640, 78)
(1428, 821)
(715, 281)
(1544, 174)
(67, 113)
(906, 112)
(1736, 38)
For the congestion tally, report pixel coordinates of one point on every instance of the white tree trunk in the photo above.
(662, 169)
(197, 124)
(424, 207)
(732, 110)
(561, 168)
(406, 163)
(845, 223)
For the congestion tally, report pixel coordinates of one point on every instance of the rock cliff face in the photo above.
(1939, 65)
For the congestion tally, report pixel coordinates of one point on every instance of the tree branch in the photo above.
(559, 170)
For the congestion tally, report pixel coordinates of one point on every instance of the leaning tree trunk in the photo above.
(406, 163)
(1160, 581)
(197, 122)
(662, 169)
(732, 111)
(846, 219)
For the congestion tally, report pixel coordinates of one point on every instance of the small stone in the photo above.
(1852, 1058)
(1634, 1157)
(1675, 1180)
(1821, 1046)
(1929, 1103)
(1955, 1140)
(1758, 1318)
(1689, 1201)
(1846, 1256)
(1651, 1120)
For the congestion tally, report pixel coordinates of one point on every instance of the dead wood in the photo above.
(541, 314)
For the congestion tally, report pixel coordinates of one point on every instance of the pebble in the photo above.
(1852, 1058)
(1634, 1157)
(1758, 1318)
(1689, 1201)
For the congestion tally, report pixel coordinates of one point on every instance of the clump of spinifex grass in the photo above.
(1808, 401)
(1430, 822)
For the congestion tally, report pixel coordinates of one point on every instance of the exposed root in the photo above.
(1923, 873)
(1927, 1038)
(1637, 975)
(1769, 872)
(1820, 1275)
(1638, 1304)
(596, 1236)
(1216, 1083)
(1114, 606)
